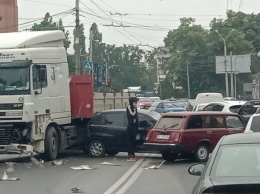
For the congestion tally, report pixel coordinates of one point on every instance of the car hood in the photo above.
(233, 185)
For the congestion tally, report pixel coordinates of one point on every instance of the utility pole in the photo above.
(188, 80)
(77, 45)
(158, 75)
(91, 56)
(231, 76)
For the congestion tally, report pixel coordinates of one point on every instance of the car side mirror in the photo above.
(257, 110)
(196, 169)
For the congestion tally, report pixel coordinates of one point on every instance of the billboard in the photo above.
(240, 64)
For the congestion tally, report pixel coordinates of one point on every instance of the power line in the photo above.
(43, 2)
(26, 24)
(134, 25)
(114, 20)
(108, 5)
(94, 14)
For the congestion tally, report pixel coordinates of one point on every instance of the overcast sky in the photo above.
(144, 21)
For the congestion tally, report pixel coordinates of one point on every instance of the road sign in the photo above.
(88, 65)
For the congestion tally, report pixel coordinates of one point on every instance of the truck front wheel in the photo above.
(51, 143)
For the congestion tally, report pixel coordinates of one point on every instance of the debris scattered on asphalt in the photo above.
(37, 162)
(10, 166)
(110, 164)
(58, 162)
(154, 166)
(77, 190)
(11, 163)
(82, 167)
(6, 178)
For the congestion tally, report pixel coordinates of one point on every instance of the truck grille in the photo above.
(11, 106)
(5, 136)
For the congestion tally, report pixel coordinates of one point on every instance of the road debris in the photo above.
(154, 166)
(82, 167)
(58, 162)
(77, 190)
(6, 178)
(10, 166)
(110, 164)
(37, 162)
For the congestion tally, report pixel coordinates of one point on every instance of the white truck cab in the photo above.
(34, 92)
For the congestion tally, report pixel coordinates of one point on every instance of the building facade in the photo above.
(8, 16)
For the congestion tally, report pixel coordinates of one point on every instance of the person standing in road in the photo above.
(132, 127)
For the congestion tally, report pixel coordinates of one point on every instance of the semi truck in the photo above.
(42, 108)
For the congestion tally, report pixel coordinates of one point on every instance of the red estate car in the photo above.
(191, 133)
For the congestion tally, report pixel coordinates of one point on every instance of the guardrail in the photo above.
(107, 101)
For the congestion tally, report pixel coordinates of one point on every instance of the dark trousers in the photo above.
(131, 144)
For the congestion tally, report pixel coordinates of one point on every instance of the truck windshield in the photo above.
(15, 78)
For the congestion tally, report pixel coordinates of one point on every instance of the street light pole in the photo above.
(77, 45)
(225, 58)
(226, 74)
(107, 68)
(91, 56)
(188, 80)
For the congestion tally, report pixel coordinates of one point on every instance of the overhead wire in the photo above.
(104, 19)
(27, 24)
(44, 2)
(113, 19)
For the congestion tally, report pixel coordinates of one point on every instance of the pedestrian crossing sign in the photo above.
(88, 65)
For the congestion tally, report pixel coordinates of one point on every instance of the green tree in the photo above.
(129, 69)
(194, 47)
(82, 45)
(49, 24)
(82, 40)
(98, 48)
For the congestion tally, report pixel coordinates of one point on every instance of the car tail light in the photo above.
(149, 134)
(177, 137)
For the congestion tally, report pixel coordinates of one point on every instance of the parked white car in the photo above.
(253, 124)
(225, 106)
(207, 98)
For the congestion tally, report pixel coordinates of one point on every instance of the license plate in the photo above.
(163, 136)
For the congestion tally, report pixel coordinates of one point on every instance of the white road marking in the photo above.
(132, 180)
(124, 177)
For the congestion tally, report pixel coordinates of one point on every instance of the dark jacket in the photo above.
(132, 118)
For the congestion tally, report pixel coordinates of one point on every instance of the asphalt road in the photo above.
(129, 178)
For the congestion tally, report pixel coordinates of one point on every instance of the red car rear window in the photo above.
(167, 122)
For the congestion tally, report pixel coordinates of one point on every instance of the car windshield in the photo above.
(170, 122)
(172, 105)
(15, 78)
(237, 161)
